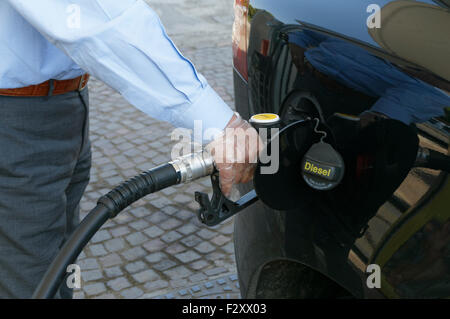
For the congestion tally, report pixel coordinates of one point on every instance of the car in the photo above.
(384, 232)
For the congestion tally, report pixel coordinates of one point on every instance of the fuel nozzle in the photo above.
(193, 166)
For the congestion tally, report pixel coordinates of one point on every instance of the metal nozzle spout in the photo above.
(193, 166)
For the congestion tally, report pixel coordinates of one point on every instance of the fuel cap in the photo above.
(264, 123)
(323, 167)
(265, 119)
(281, 190)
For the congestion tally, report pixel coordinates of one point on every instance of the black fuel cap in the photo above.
(323, 167)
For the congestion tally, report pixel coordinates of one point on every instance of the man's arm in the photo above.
(124, 44)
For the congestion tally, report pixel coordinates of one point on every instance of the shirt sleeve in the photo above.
(124, 44)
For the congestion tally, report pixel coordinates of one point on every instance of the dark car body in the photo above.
(306, 252)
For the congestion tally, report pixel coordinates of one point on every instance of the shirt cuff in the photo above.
(208, 111)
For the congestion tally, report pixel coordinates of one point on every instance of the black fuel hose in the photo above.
(108, 206)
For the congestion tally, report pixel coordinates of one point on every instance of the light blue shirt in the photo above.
(121, 42)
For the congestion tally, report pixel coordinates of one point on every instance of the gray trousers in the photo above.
(45, 160)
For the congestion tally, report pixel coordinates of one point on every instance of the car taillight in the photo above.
(240, 38)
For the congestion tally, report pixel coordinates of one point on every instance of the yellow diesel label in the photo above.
(310, 167)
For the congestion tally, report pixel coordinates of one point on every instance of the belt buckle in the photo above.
(83, 82)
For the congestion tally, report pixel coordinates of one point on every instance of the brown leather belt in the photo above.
(44, 89)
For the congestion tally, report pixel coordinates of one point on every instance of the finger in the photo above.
(226, 186)
(226, 176)
(248, 174)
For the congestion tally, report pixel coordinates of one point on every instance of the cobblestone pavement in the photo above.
(157, 245)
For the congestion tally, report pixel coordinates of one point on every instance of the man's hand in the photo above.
(235, 153)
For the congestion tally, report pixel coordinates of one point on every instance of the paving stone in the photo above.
(164, 265)
(187, 229)
(139, 225)
(228, 248)
(155, 257)
(220, 240)
(79, 295)
(114, 181)
(175, 248)
(215, 271)
(206, 233)
(215, 256)
(109, 173)
(91, 275)
(179, 272)
(157, 218)
(111, 260)
(115, 244)
(133, 253)
(132, 293)
(113, 272)
(198, 277)
(109, 224)
(120, 231)
(186, 215)
(154, 231)
(154, 245)
(171, 237)
(205, 248)
(123, 218)
(140, 212)
(199, 264)
(194, 187)
(156, 285)
(221, 281)
(88, 263)
(118, 284)
(135, 239)
(135, 266)
(194, 206)
(179, 283)
(191, 241)
(187, 257)
(161, 202)
(182, 199)
(183, 292)
(94, 289)
(195, 289)
(168, 191)
(170, 224)
(97, 250)
(170, 210)
(227, 229)
(145, 276)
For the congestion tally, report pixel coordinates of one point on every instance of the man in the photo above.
(45, 151)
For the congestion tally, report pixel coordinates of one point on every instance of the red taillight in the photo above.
(240, 37)
(265, 47)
